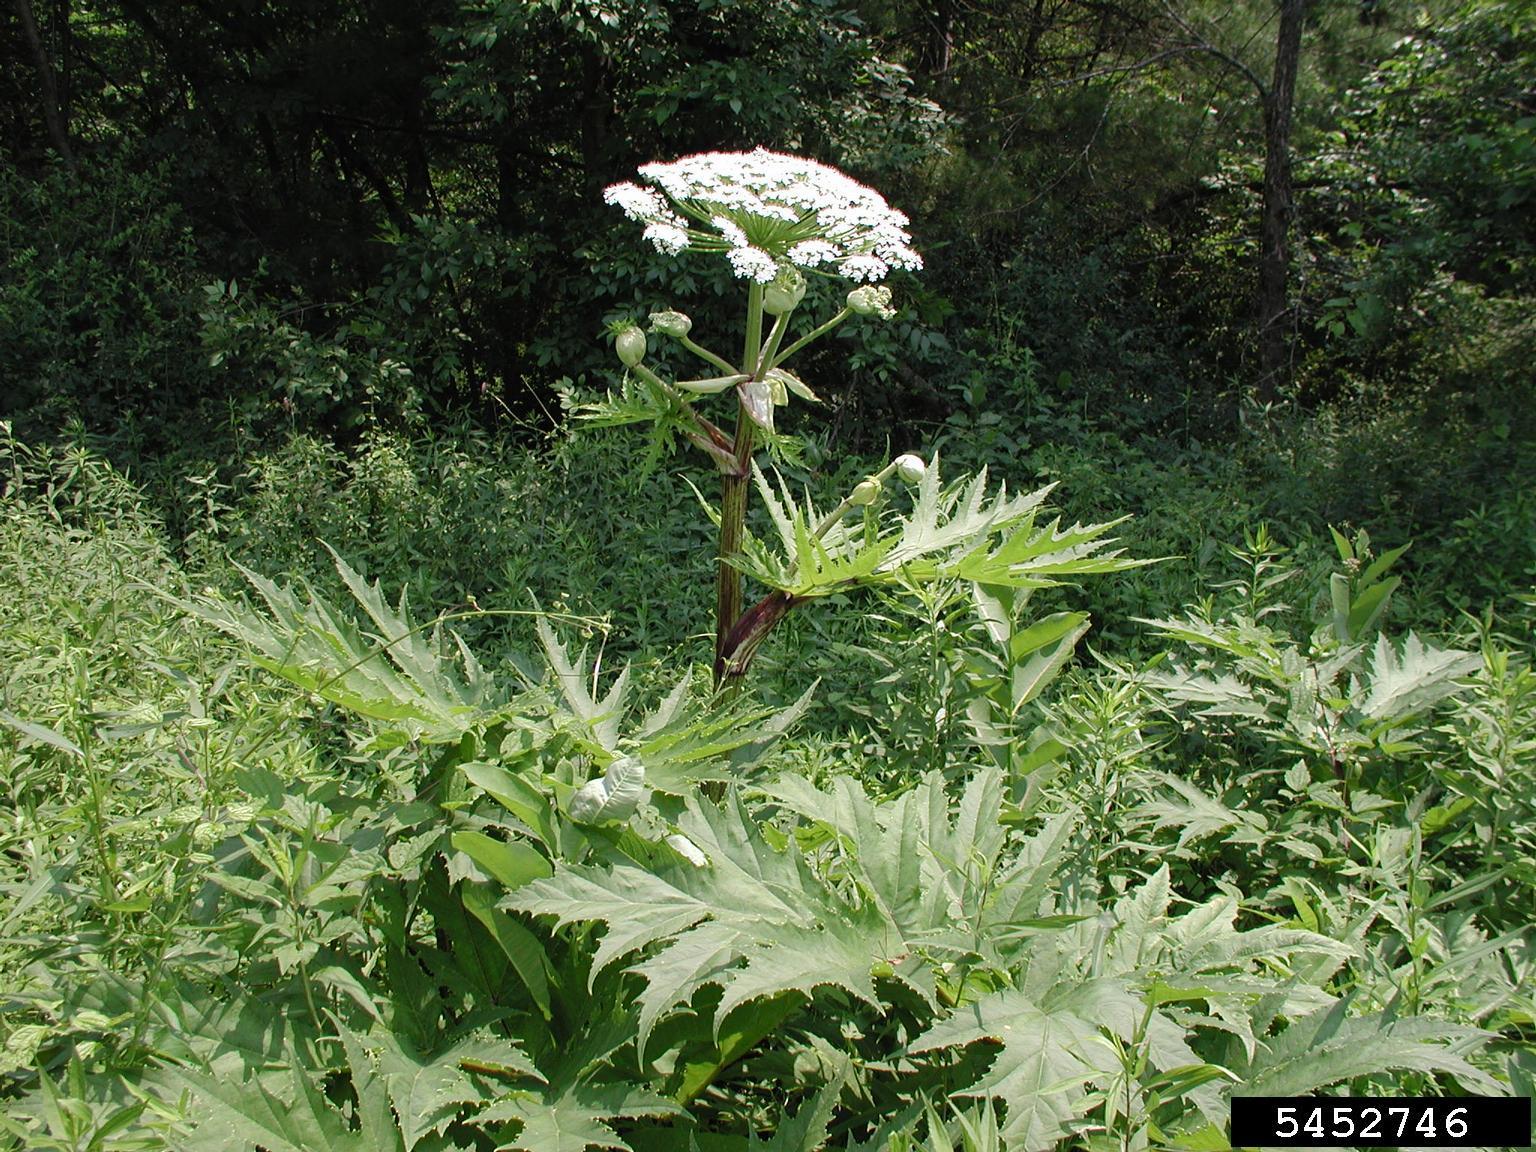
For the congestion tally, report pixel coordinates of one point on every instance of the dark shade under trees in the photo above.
(263, 214)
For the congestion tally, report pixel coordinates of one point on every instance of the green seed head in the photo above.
(871, 300)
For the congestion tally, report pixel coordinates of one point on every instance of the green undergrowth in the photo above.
(439, 839)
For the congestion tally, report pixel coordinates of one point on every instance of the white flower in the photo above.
(640, 203)
(753, 264)
(809, 253)
(668, 238)
(865, 267)
(764, 209)
(732, 231)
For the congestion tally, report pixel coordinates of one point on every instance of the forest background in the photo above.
(282, 278)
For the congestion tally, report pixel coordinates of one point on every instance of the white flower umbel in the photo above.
(764, 210)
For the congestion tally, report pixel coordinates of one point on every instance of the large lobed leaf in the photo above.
(758, 920)
(956, 531)
(394, 675)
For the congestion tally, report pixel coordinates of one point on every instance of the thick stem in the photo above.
(753, 343)
(749, 631)
(733, 512)
(733, 494)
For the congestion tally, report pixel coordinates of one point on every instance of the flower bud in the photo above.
(673, 324)
(911, 468)
(785, 291)
(864, 493)
(871, 300)
(630, 345)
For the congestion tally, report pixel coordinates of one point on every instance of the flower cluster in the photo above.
(766, 211)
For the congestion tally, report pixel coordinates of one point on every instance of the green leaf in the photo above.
(519, 797)
(43, 735)
(574, 1119)
(1403, 685)
(955, 531)
(1369, 606)
(1329, 1046)
(638, 906)
(838, 951)
(1047, 1059)
(1048, 644)
(601, 718)
(1379, 566)
(512, 862)
(395, 679)
(756, 919)
(759, 920)
(806, 1130)
(742, 1032)
(690, 739)
(429, 1091)
(376, 1120)
(232, 1116)
(522, 948)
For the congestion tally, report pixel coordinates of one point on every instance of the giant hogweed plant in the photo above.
(779, 219)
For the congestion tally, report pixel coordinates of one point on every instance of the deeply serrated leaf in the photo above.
(574, 1119)
(1330, 1046)
(639, 907)
(1046, 1061)
(1406, 683)
(233, 1117)
(395, 679)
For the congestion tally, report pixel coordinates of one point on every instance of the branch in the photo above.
(1201, 44)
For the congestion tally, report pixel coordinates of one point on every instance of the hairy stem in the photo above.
(733, 492)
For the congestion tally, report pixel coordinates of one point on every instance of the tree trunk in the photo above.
(1274, 313)
(59, 25)
(53, 119)
(940, 41)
